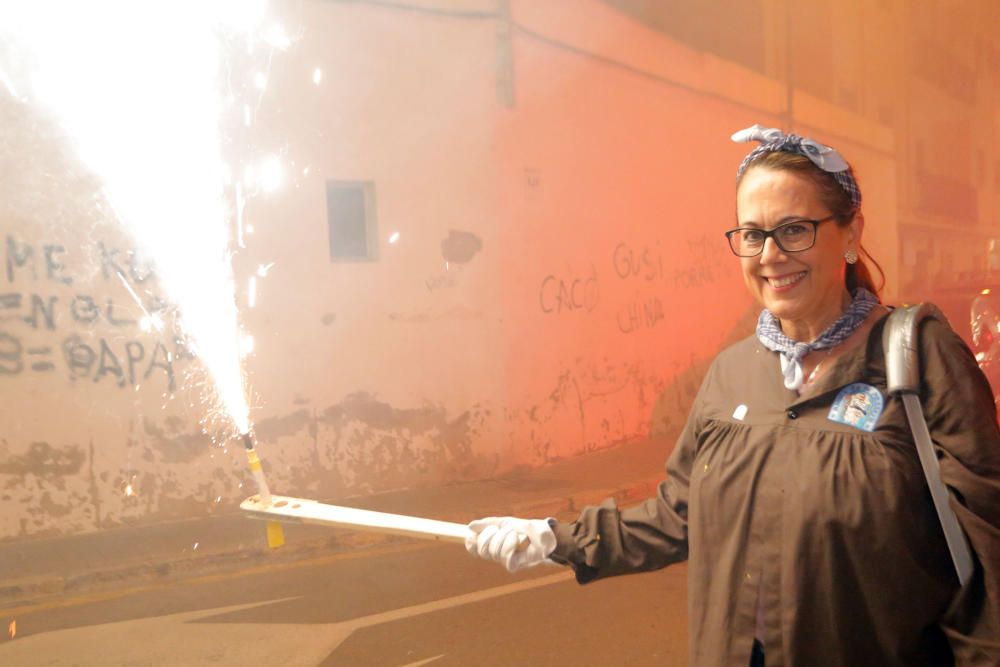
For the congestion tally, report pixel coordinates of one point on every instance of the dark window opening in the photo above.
(350, 215)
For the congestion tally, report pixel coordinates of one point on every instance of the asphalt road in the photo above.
(405, 604)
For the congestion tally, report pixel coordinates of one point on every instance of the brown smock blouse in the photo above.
(828, 528)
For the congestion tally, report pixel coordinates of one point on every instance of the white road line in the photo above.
(198, 637)
(424, 662)
(455, 601)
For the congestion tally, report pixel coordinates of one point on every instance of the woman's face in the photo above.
(805, 290)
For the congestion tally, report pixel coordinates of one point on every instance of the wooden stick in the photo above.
(301, 510)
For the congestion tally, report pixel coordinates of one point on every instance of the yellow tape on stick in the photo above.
(275, 534)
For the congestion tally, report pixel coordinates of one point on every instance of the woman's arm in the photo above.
(961, 416)
(606, 541)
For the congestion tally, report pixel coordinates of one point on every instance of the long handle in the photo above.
(302, 510)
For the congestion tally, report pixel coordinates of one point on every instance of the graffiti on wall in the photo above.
(559, 294)
(708, 259)
(643, 267)
(50, 318)
(645, 262)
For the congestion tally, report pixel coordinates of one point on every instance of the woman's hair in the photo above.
(836, 199)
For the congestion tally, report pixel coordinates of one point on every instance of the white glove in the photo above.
(500, 538)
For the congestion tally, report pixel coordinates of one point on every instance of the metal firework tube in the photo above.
(257, 470)
(275, 533)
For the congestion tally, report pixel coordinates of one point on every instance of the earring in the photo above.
(851, 257)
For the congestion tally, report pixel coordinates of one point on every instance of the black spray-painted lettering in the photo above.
(46, 309)
(440, 281)
(558, 295)
(44, 365)
(109, 261)
(113, 319)
(79, 356)
(646, 263)
(11, 362)
(166, 365)
(9, 302)
(708, 264)
(134, 352)
(640, 314)
(23, 260)
(17, 257)
(84, 309)
(134, 267)
(109, 365)
(52, 267)
(83, 360)
(697, 275)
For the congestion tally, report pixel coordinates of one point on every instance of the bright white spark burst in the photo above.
(270, 174)
(149, 125)
(277, 37)
(151, 322)
(246, 346)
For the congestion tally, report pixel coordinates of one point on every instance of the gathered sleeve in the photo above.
(606, 541)
(961, 417)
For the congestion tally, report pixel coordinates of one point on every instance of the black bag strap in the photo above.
(900, 342)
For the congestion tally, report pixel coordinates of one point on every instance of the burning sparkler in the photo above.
(143, 100)
(141, 97)
(150, 127)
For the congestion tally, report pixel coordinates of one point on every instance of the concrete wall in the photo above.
(559, 175)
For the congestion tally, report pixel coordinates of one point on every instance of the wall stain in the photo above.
(273, 428)
(175, 446)
(49, 508)
(460, 247)
(95, 496)
(44, 460)
(374, 445)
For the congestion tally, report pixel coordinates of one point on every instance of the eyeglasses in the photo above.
(791, 236)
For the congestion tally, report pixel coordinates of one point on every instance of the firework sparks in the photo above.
(150, 127)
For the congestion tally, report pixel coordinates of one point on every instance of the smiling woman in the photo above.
(810, 274)
(796, 495)
(806, 288)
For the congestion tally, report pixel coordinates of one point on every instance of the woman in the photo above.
(795, 490)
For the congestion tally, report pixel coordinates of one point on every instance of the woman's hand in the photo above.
(514, 543)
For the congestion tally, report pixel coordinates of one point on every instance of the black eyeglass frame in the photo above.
(773, 234)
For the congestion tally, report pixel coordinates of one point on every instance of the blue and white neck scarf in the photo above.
(792, 351)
